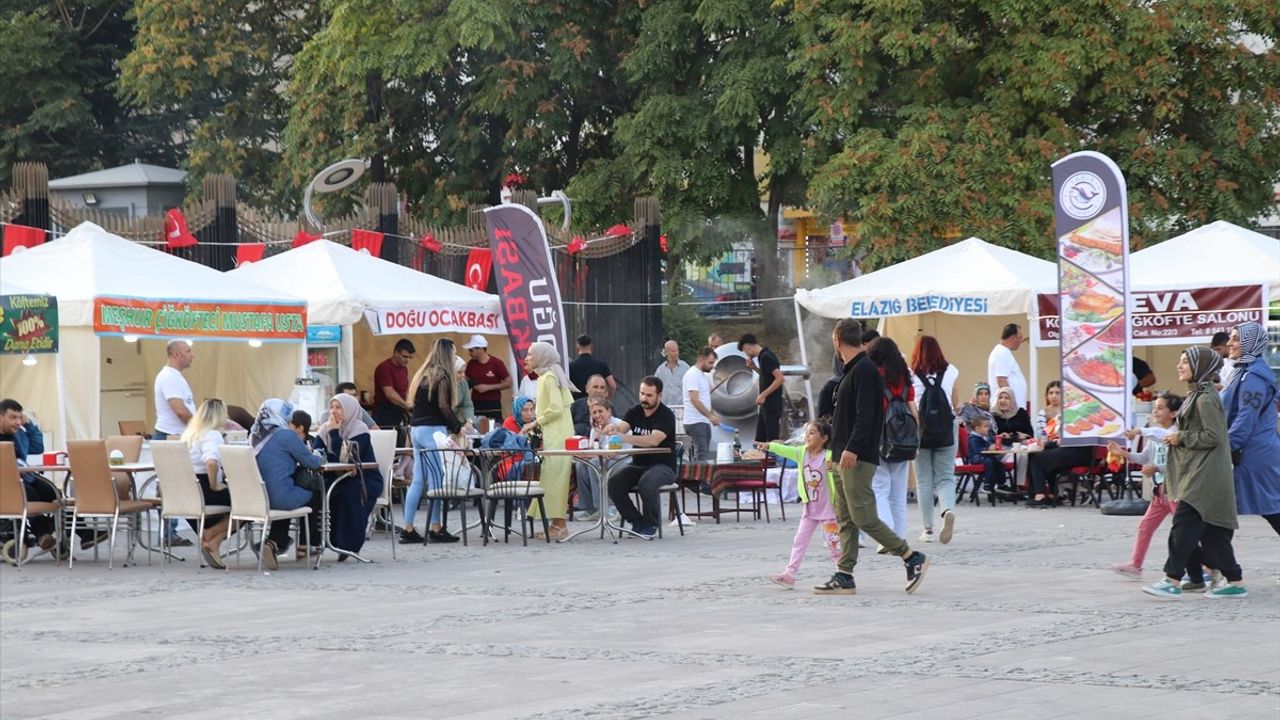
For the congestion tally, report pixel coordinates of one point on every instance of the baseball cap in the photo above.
(476, 341)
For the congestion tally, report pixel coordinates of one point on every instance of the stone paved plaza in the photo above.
(1018, 618)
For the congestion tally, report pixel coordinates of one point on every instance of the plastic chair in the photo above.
(97, 496)
(181, 497)
(15, 506)
(384, 449)
(133, 427)
(249, 501)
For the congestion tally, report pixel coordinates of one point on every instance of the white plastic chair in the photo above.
(180, 494)
(249, 501)
(384, 449)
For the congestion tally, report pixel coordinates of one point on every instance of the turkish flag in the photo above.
(479, 265)
(429, 242)
(249, 253)
(367, 241)
(176, 234)
(303, 237)
(21, 236)
(578, 245)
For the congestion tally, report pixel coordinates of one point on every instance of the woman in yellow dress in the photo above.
(556, 423)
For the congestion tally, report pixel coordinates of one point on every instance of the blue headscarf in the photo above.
(273, 414)
(517, 405)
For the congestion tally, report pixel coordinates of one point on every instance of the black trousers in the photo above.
(1193, 541)
(41, 490)
(211, 497)
(280, 529)
(1046, 464)
(491, 409)
(769, 424)
(1274, 520)
(648, 480)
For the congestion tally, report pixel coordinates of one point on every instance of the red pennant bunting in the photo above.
(21, 236)
(479, 265)
(618, 230)
(303, 237)
(176, 234)
(662, 242)
(577, 245)
(250, 253)
(367, 241)
(429, 242)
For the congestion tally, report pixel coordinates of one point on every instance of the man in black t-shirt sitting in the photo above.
(647, 425)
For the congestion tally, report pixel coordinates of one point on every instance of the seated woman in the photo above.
(523, 420)
(979, 405)
(203, 437)
(1013, 424)
(345, 438)
(279, 451)
(1047, 420)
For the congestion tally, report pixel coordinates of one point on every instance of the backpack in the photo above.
(900, 440)
(937, 421)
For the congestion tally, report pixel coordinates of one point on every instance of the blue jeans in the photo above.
(935, 473)
(427, 472)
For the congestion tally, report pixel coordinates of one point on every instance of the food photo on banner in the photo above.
(1091, 225)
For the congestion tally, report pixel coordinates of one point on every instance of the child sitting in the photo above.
(980, 438)
(300, 422)
(816, 484)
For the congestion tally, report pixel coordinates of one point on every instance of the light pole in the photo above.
(331, 179)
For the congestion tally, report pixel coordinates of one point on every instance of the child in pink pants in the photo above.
(816, 484)
(1152, 458)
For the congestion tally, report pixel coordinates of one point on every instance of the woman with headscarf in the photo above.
(463, 406)
(556, 424)
(345, 438)
(524, 412)
(279, 451)
(1199, 480)
(1013, 424)
(432, 391)
(979, 405)
(1250, 403)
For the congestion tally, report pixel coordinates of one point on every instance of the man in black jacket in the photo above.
(857, 422)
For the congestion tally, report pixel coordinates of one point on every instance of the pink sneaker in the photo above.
(1128, 570)
(786, 580)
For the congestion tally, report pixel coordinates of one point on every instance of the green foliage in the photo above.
(683, 324)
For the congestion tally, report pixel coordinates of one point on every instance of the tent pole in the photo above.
(1033, 322)
(804, 360)
(347, 355)
(61, 440)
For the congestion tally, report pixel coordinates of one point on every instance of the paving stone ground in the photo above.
(1018, 618)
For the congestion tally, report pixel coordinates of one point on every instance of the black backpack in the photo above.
(900, 440)
(937, 421)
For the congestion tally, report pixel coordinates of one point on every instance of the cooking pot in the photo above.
(734, 388)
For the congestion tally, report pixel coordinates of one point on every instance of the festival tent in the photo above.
(342, 286)
(962, 294)
(119, 301)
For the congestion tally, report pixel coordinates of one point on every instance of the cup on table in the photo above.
(54, 458)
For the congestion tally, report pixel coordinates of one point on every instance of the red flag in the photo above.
(662, 242)
(21, 236)
(479, 265)
(303, 237)
(577, 245)
(176, 234)
(367, 241)
(429, 242)
(250, 253)
(618, 230)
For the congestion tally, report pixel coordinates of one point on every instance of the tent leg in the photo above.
(804, 360)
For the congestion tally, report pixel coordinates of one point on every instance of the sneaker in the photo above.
(179, 541)
(840, 583)
(685, 520)
(646, 532)
(926, 536)
(881, 550)
(1228, 590)
(1216, 578)
(593, 516)
(1166, 589)
(442, 536)
(948, 526)
(410, 536)
(1192, 587)
(917, 564)
(1128, 570)
(786, 580)
(269, 560)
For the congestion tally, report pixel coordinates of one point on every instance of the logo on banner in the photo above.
(1083, 195)
(527, 282)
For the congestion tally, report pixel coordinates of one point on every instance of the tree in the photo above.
(950, 114)
(58, 65)
(221, 66)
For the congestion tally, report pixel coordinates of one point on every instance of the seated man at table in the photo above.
(647, 425)
(583, 471)
(580, 409)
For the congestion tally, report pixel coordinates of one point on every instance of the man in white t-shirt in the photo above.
(696, 394)
(1002, 367)
(174, 404)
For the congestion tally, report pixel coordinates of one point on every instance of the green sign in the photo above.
(28, 324)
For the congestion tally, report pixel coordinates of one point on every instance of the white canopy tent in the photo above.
(961, 294)
(343, 286)
(103, 372)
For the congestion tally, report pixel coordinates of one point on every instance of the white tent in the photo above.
(1216, 255)
(104, 375)
(961, 294)
(342, 286)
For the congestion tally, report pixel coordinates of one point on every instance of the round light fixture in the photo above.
(29, 360)
(130, 338)
(255, 343)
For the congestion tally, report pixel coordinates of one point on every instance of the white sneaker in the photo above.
(683, 519)
(926, 536)
(590, 517)
(948, 527)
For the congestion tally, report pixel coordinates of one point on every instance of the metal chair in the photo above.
(249, 501)
(456, 484)
(181, 497)
(522, 491)
(97, 497)
(15, 507)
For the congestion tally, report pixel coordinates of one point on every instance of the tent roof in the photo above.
(90, 262)
(971, 277)
(1216, 255)
(135, 174)
(339, 283)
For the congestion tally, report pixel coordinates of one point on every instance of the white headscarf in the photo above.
(544, 360)
(273, 414)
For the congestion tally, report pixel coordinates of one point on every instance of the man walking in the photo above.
(1003, 369)
(391, 387)
(855, 445)
(671, 373)
(488, 377)
(763, 361)
(175, 405)
(647, 425)
(698, 417)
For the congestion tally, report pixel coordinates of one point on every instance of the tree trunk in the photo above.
(778, 317)
(373, 114)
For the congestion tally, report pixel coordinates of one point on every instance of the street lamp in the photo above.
(331, 179)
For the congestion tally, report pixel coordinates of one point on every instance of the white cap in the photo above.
(476, 341)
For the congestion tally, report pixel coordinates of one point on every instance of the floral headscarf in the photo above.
(273, 414)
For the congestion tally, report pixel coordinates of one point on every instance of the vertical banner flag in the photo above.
(1091, 224)
(527, 282)
(479, 265)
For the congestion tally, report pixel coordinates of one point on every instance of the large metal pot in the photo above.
(734, 388)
